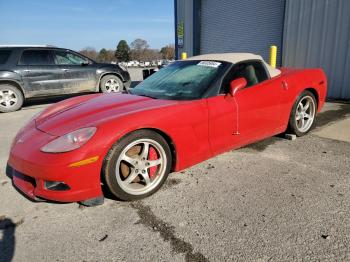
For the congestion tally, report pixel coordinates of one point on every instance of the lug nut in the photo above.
(136, 170)
(143, 171)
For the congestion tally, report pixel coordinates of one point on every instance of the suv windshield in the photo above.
(182, 80)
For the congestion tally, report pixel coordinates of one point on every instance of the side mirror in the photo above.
(237, 85)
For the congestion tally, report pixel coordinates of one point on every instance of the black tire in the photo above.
(116, 87)
(11, 98)
(109, 175)
(293, 122)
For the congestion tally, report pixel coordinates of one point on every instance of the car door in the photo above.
(79, 73)
(40, 75)
(252, 114)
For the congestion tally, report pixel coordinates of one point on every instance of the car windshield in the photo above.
(181, 80)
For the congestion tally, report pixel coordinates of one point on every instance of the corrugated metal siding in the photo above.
(317, 34)
(241, 26)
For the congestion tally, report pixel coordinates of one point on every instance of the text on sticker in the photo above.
(209, 63)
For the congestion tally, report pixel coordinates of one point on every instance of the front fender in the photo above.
(187, 128)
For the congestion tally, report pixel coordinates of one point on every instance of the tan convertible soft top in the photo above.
(236, 58)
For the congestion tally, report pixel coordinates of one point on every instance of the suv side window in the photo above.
(36, 57)
(68, 58)
(4, 56)
(253, 71)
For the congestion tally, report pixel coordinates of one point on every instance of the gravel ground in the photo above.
(276, 200)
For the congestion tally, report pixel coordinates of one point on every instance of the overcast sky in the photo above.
(77, 24)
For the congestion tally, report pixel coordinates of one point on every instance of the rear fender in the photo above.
(12, 78)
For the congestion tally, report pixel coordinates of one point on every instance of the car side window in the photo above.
(254, 73)
(68, 58)
(4, 56)
(36, 57)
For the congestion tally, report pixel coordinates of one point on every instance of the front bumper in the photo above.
(31, 169)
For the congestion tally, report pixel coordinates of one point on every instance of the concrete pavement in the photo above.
(276, 200)
(338, 126)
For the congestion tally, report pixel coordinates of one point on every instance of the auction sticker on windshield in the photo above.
(209, 63)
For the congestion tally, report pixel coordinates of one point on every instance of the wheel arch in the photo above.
(315, 93)
(13, 83)
(310, 89)
(170, 143)
(167, 138)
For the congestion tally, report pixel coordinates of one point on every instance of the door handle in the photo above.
(27, 71)
(284, 85)
(65, 69)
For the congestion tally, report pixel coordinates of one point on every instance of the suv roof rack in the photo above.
(27, 46)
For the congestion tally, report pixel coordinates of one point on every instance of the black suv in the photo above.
(42, 71)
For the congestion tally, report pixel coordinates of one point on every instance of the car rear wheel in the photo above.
(138, 165)
(111, 84)
(11, 98)
(303, 114)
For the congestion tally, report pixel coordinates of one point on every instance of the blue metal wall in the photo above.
(241, 26)
(308, 33)
(317, 34)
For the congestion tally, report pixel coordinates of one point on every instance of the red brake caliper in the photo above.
(152, 155)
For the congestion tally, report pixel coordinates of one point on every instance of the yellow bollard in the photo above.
(183, 56)
(273, 56)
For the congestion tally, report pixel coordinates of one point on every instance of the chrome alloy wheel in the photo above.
(141, 166)
(305, 114)
(8, 98)
(112, 85)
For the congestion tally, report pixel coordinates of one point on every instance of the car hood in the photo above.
(91, 110)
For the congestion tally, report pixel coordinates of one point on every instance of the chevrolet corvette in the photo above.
(185, 113)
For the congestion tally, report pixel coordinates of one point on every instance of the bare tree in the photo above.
(139, 50)
(106, 56)
(168, 52)
(90, 52)
(139, 44)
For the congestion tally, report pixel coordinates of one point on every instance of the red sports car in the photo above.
(187, 112)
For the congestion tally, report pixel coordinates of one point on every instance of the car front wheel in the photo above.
(303, 114)
(111, 84)
(138, 165)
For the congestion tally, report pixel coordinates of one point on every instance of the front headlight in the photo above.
(70, 141)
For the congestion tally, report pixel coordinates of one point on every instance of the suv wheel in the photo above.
(11, 98)
(111, 84)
